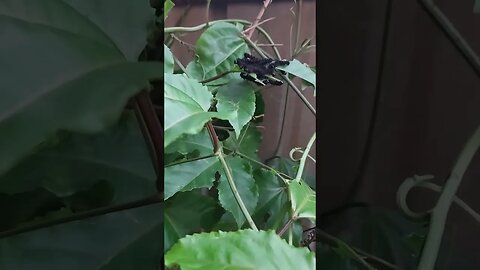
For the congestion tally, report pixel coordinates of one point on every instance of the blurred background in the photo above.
(396, 98)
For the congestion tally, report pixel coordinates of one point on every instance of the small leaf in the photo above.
(300, 70)
(186, 213)
(244, 249)
(238, 98)
(167, 7)
(186, 107)
(168, 60)
(303, 200)
(248, 190)
(189, 175)
(218, 47)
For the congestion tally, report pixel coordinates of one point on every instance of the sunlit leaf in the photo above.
(244, 249)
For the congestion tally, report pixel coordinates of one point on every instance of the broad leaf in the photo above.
(78, 79)
(187, 144)
(125, 240)
(218, 47)
(25, 206)
(248, 190)
(125, 22)
(238, 98)
(300, 70)
(168, 60)
(189, 175)
(245, 249)
(186, 213)
(303, 200)
(186, 106)
(76, 162)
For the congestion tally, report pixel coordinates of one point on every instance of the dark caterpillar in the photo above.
(260, 70)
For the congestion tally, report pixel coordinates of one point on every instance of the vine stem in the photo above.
(279, 174)
(233, 187)
(304, 157)
(204, 25)
(157, 198)
(440, 212)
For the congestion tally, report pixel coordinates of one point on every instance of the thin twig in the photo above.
(285, 227)
(259, 16)
(279, 174)
(260, 23)
(157, 198)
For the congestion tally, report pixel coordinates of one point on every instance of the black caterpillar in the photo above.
(263, 68)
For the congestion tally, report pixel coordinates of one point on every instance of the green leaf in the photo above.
(187, 144)
(238, 98)
(247, 143)
(273, 197)
(118, 155)
(167, 6)
(303, 200)
(248, 190)
(218, 47)
(476, 8)
(123, 240)
(244, 249)
(109, 17)
(168, 60)
(189, 175)
(195, 70)
(71, 106)
(25, 206)
(186, 106)
(78, 79)
(186, 213)
(300, 70)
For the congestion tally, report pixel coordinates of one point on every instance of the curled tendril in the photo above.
(422, 181)
(402, 193)
(299, 150)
